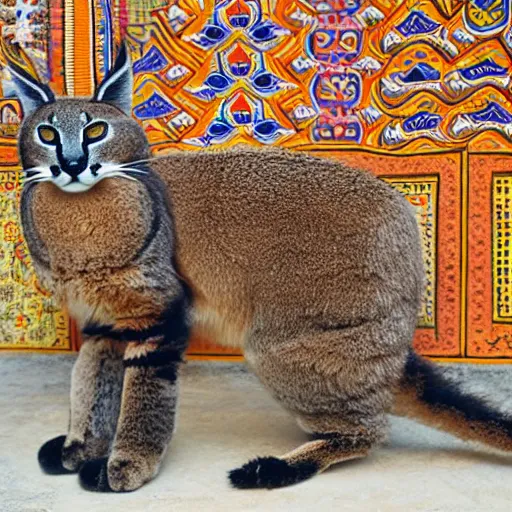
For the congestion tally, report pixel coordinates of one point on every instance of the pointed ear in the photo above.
(116, 87)
(30, 90)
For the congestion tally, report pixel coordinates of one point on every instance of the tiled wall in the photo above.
(418, 92)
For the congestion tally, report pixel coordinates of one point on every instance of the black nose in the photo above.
(75, 167)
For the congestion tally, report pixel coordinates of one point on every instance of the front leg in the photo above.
(96, 384)
(147, 418)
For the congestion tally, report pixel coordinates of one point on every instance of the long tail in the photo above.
(427, 396)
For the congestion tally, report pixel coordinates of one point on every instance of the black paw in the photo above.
(93, 476)
(50, 457)
(271, 472)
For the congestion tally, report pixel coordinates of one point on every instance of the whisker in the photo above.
(106, 168)
(32, 174)
(135, 162)
(37, 176)
(107, 172)
(33, 169)
(143, 161)
(34, 179)
(37, 173)
(118, 174)
(136, 171)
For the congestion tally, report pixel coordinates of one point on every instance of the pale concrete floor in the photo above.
(225, 419)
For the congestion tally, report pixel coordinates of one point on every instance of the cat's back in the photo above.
(253, 184)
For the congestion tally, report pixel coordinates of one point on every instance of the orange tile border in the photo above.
(78, 47)
(489, 336)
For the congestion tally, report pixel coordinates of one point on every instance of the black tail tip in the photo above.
(270, 473)
(50, 457)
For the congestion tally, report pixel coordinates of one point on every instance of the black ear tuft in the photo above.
(116, 87)
(31, 91)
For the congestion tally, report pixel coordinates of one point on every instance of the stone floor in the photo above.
(225, 419)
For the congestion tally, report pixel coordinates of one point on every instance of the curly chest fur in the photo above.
(102, 228)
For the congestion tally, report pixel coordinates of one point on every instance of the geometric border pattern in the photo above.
(502, 247)
(28, 316)
(422, 194)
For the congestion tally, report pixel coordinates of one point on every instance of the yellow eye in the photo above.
(47, 135)
(96, 131)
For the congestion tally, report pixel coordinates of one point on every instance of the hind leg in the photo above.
(343, 442)
(337, 395)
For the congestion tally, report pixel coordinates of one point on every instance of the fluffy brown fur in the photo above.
(313, 268)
